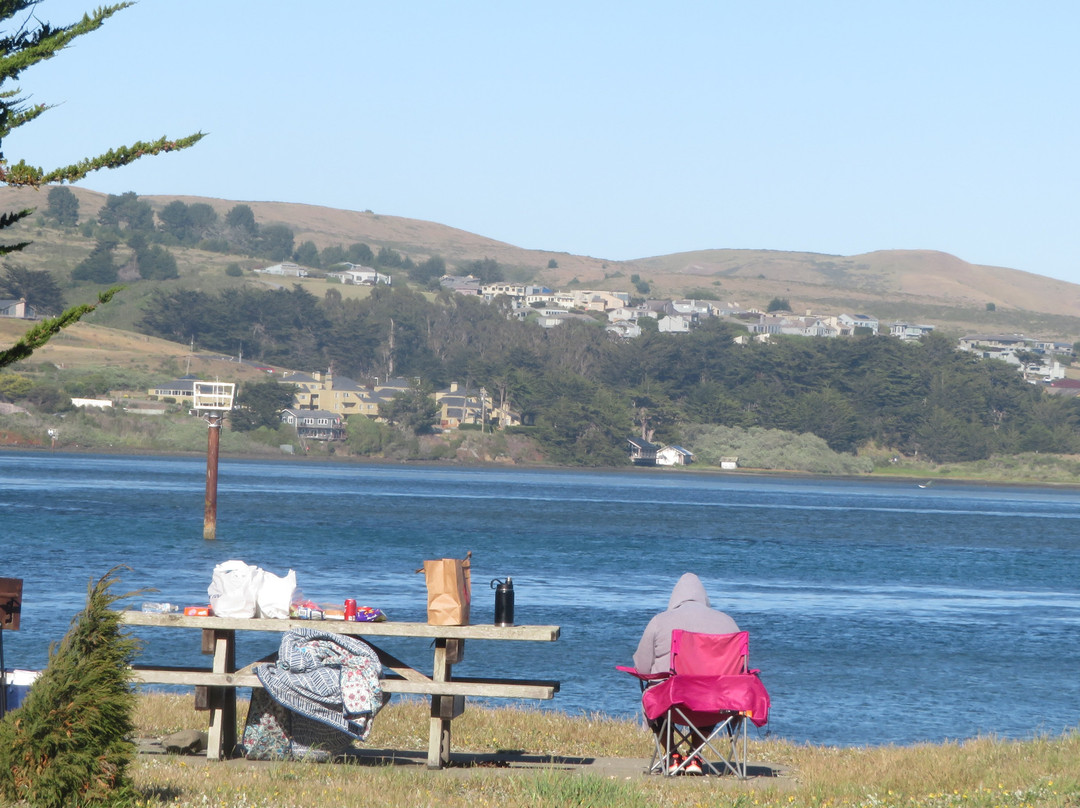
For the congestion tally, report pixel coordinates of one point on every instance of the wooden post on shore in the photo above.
(213, 437)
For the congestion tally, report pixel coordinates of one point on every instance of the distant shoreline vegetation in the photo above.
(760, 452)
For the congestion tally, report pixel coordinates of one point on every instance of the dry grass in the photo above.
(981, 773)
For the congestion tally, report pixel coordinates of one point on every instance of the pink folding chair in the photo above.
(703, 703)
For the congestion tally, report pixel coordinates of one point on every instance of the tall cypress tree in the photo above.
(24, 42)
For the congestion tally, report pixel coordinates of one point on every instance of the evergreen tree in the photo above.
(63, 206)
(260, 404)
(69, 743)
(307, 255)
(242, 217)
(36, 285)
(360, 254)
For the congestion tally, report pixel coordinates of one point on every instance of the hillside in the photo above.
(921, 285)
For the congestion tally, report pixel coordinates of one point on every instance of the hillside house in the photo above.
(286, 269)
(337, 394)
(457, 406)
(848, 325)
(701, 308)
(181, 390)
(315, 424)
(361, 276)
(461, 284)
(909, 332)
(18, 309)
(675, 323)
(623, 329)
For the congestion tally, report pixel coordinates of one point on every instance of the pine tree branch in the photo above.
(22, 174)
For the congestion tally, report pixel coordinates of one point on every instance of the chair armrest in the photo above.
(645, 677)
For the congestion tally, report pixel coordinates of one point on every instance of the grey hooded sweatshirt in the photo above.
(687, 609)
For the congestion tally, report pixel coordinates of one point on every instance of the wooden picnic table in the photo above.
(216, 685)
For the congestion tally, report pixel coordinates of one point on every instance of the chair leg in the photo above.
(727, 741)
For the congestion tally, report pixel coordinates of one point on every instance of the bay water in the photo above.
(878, 611)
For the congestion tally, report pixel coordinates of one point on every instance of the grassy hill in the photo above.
(919, 285)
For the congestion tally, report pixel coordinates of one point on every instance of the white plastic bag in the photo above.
(234, 589)
(276, 594)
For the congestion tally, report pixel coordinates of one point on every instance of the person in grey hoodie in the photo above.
(688, 609)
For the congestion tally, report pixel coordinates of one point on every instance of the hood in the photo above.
(689, 588)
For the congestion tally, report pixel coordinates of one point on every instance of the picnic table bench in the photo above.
(216, 685)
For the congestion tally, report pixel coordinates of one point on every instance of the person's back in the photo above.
(689, 610)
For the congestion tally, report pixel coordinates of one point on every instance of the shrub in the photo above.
(68, 744)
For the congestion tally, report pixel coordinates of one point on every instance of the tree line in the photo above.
(125, 219)
(582, 393)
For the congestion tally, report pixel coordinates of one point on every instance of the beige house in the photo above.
(337, 394)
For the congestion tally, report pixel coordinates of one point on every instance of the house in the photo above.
(701, 308)
(182, 390)
(18, 309)
(457, 406)
(848, 325)
(461, 285)
(642, 453)
(728, 463)
(996, 346)
(909, 332)
(361, 276)
(315, 424)
(623, 329)
(337, 394)
(1064, 387)
(674, 323)
(286, 269)
(674, 456)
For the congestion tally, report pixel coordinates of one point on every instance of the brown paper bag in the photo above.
(449, 590)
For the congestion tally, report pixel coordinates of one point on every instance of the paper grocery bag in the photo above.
(448, 590)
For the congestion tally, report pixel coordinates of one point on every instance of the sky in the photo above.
(617, 130)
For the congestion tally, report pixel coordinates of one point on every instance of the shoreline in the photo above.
(937, 477)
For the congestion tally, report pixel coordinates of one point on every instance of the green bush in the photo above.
(760, 448)
(69, 743)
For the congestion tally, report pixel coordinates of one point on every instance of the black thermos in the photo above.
(504, 601)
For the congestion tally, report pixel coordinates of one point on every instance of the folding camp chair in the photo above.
(703, 703)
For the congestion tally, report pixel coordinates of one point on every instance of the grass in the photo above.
(979, 773)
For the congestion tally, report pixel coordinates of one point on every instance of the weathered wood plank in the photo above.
(387, 629)
(485, 688)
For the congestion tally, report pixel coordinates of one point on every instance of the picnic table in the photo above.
(216, 685)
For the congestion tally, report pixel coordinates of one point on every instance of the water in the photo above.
(878, 612)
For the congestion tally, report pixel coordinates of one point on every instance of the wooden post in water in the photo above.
(213, 437)
(212, 400)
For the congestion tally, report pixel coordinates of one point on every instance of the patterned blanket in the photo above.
(330, 678)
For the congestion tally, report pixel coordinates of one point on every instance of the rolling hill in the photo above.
(920, 285)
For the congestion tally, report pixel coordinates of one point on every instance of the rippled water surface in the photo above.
(878, 612)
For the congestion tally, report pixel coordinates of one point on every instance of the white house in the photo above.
(910, 332)
(285, 268)
(18, 308)
(673, 324)
(361, 276)
(674, 456)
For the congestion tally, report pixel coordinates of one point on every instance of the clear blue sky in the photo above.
(613, 129)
